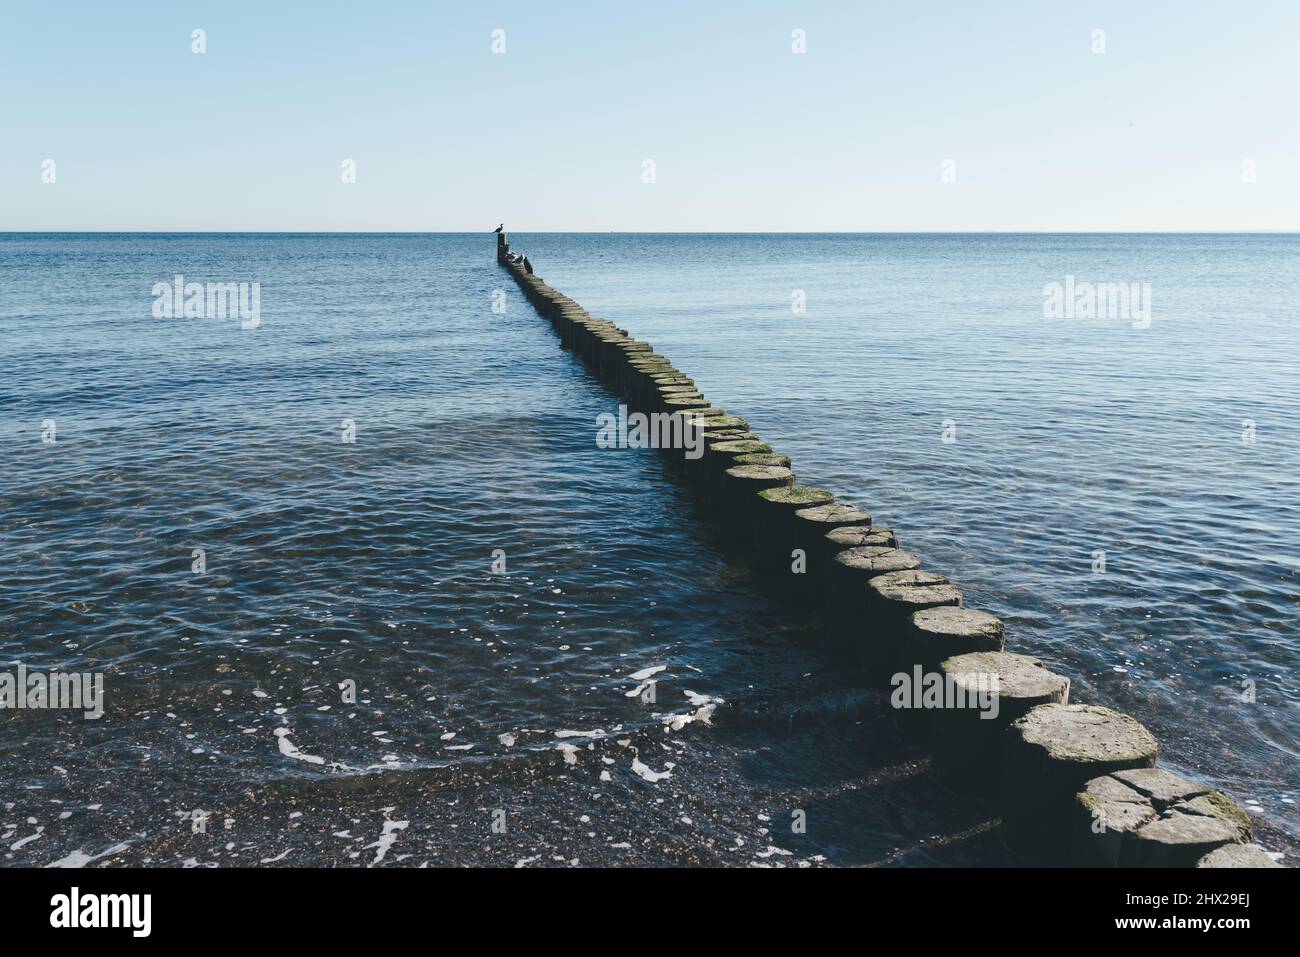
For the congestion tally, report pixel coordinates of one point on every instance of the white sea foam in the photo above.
(675, 722)
(644, 771)
(386, 839)
(289, 749)
(701, 699)
(80, 858)
(28, 839)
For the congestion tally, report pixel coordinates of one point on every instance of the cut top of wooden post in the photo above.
(1087, 734)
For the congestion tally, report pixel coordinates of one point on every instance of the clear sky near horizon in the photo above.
(1162, 131)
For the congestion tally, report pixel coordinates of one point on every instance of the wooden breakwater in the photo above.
(1072, 783)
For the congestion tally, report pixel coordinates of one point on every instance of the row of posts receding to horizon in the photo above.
(1072, 783)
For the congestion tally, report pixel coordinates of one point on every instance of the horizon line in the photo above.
(1284, 231)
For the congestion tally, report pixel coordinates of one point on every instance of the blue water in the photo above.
(371, 562)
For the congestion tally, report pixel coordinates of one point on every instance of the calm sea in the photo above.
(360, 582)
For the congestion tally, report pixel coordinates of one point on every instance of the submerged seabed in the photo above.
(509, 699)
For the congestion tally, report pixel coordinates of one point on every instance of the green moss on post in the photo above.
(774, 524)
(966, 745)
(659, 399)
(763, 458)
(725, 423)
(860, 536)
(720, 454)
(846, 613)
(937, 633)
(681, 405)
(1150, 817)
(740, 487)
(892, 598)
(1051, 754)
(811, 526)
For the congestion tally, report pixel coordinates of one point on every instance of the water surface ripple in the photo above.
(330, 562)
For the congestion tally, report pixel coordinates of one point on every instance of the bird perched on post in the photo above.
(499, 228)
(528, 267)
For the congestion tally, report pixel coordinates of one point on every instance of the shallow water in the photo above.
(371, 562)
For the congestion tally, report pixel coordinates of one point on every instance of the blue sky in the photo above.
(1045, 134)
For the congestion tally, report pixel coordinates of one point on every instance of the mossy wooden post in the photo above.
(597, 330)
(686, 404)
(720, 454)
(1051, 754)
(891, 600)
(935, 634)
(661, 393)
(631, 379)
(568, 320)
(1150, 817)
(689, 428)
(810, 528)
(859, 536)
(966, 745)
(583, 331)
(720, 428)
(602, 356)
(726, 426)
(503, 247)
(628, 358)
(760, 458)
(740, 487)
(841, 539)
(774, 524)
(846, 618)
(616, 355)
(656, 383)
